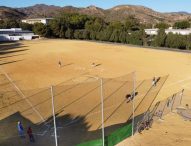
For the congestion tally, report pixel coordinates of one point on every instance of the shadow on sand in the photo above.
(9, 50)
(70, 133)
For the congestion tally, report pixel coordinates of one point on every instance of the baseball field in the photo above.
(31, 67)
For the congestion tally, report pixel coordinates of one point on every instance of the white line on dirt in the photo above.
(180, 81)
(23, 96)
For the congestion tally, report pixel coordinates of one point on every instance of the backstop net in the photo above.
(85, 108)
(30, 107)
(168, 105)
(144, 103)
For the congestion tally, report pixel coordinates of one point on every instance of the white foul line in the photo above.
(23, 96)
(180, 81)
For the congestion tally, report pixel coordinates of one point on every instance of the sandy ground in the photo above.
(34, 65)
(37, 66)
(172, 131)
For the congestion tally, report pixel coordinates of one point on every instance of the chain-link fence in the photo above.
(159, 110)
(87, 110)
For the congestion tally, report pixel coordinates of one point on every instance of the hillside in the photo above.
(119, 13)
(6, 12)
(40, 10)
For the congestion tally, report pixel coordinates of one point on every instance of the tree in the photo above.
(86, 34)
(9, 23)
(189, 42)
(122, 37)
(42, 30)
(115, 36)
(115, 28)
(26, 26)
(162, 25)
(176, 41)
(135, 38)
(77, 21)
(131, 24)
(78, 34)
(69, 34)
(159, 40)
(182, 25)
(97, 25)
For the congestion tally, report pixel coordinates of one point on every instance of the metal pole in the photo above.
(174, 98)
(133, 118)
(181, 97)
(53, 112)
(102, 111)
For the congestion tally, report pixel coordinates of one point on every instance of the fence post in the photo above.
(181, 96)
(164, 108)
(102, 111)
(133, 118)
(174, 96)
(53, 113)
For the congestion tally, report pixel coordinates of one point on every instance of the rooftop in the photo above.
(36, 18)
(14, 30)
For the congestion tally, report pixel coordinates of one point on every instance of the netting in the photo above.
(144, 104)
(159, 110)
(81, 103)
(170, 104)
(13, 108)
(78, 109)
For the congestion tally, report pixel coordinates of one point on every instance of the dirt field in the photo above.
(34, 65)
(163, 133)
(37, 63)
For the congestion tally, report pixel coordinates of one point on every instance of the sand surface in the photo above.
(172, 131)
(37, 65)
(34, 65)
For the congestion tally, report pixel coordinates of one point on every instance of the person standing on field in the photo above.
(60, 63)
(20, 129)
(154, 81)
(30, 134)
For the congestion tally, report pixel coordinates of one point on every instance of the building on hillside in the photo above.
(16, 34)
(178, 31)
(37, 20)
(154, 31)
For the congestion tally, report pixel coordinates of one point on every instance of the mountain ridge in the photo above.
(117, 13)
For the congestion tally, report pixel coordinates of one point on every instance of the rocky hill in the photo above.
(6, 12)
(143, 14)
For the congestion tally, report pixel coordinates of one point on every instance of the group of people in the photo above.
(22, 133)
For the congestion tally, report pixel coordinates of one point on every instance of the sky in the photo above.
(158, 5)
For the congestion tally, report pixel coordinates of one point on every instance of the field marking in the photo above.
(38, 134)
(23, 96)
(177, 82)
(187, 86)
(57, 128)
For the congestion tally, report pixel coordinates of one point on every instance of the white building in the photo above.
(37, 20)
(153, 31)
(15, 34)
(167, 31)
(178, 31)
